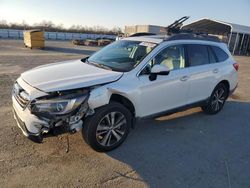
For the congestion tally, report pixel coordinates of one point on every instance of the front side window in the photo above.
(172, 57)
(121, 55)
(197, 54)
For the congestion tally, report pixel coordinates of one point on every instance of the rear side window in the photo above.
(220, 54)
(212, 57)
(197, 54)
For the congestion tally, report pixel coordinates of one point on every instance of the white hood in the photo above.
(68, 75)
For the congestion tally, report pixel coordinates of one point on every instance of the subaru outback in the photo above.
(137, 77)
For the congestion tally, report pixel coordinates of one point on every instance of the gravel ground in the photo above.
(187, 149)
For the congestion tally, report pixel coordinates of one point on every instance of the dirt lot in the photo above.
(188, 149)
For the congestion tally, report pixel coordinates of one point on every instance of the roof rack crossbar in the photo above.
(192, 36)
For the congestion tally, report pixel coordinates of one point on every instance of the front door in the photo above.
(167, 91)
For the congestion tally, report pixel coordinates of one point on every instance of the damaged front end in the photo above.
(64, 109)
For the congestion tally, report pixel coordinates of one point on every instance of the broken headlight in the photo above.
(57, 106)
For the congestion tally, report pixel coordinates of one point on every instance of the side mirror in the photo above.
(84, 59)
(158, 70)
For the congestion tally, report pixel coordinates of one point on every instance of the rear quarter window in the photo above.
(220, 54)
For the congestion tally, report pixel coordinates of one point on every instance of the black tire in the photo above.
(92, 123)
(216, 100)
(37, 139)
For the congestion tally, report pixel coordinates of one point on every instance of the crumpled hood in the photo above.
(68, 75)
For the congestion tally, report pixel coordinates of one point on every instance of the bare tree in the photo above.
(50, 26)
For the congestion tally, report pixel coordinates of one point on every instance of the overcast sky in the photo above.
(111, 13)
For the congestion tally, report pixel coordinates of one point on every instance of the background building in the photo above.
(129, 30)
(236, 36)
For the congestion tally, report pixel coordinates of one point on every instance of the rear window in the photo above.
(197, 54)
(220, 54)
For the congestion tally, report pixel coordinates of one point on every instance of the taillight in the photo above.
(236, 66)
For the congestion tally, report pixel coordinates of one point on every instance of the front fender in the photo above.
(99, 97)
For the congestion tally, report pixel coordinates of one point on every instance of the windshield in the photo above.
(121, 55)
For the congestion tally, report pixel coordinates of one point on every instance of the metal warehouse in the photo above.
(236, 36)
(129, 30)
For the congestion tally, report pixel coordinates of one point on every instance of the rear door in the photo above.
(202, 72)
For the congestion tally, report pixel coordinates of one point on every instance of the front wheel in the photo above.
(108, 127)
(216, 100)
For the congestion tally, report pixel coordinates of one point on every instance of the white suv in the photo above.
(133, 78)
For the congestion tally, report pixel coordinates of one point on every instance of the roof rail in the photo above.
(140, 34)
(192, 36)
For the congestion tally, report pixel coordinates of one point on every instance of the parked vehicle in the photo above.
(130, 79)
(78, 42)
(90, 42)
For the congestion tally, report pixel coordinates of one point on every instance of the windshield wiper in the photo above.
(105, 66)
(98, 65)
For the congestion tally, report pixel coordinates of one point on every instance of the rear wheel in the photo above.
(108, 127)
(216, 100)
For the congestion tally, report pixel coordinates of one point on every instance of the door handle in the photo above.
(184, 78)
(215, 70)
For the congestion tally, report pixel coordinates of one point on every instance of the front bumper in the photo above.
(22, 126)
(33, 125)
(27, 122)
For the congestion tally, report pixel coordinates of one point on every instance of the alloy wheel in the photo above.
(111, 128)
(218, 99)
